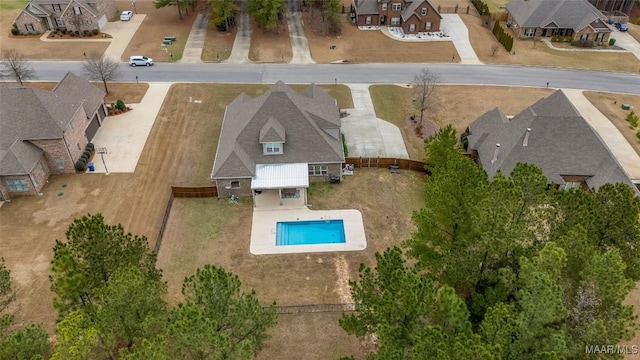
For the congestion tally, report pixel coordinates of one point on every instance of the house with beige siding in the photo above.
(45, 132)
(274, 145)
(576, 19)
(412, 16)
(39, 16)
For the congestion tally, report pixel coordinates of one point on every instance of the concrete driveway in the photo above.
(452, 25)
(122, 33)
(124, 135)
(365, 134)
(626, 41)
(299, 44)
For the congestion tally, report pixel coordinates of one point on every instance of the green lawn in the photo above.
(12, 4)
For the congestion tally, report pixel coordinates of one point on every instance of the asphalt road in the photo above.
(359, 73)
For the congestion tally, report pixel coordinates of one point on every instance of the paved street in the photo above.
(360, 73)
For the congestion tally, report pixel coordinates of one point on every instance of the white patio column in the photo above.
(280, 196)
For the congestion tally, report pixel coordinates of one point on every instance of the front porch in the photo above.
(280, 186)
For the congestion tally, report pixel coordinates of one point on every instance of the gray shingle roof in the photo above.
(272, 131)
(43, 7)
(366, 7)
(305, 119)
(563, 14)
(561, 142)
(412, 9)
(73, 88)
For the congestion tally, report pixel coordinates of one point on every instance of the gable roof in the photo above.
(73, 88)
(412, 9)
(35, 114)
(560, 142)
(563, 14)
(42, 8)
(272, 131)
(307, 119)
(366, 7)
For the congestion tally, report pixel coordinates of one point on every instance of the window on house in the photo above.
(273, 148)
(395, 21)
(396, 6)
(59, 163)
(17, 185)
(290, 193)
(317, 170)
(77, 10)
(571, 185)
(34, 180)
(56, 7)
(384, 7)
(427, 26)
(584, 37)
(423, 11)
(42, 169)
(600, 37)
(530, 32)
(367, 20)
(412, 27)
(29, 27)
(59, 22)
(235, 184)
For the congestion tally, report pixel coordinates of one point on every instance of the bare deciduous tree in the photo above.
(99, 67)
(14, 65)
(424, 83)
(494, 49)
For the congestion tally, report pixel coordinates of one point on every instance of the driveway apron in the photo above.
(366, 135)
(122, 33)
(610, 135)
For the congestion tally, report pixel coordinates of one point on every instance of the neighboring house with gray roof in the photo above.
(551, 134)
(577, 19)
(275, 144)
(45, 132)
(39, 16)
(413, 16)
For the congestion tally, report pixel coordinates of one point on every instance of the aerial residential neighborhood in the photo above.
(365, 179)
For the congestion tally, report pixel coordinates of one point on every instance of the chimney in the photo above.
(495, 154)
(526, 137)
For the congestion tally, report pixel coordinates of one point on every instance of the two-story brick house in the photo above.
(45, 132)
(413, 16)
(39, 16)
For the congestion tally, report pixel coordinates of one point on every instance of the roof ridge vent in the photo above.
(495, 154)
(525, 142)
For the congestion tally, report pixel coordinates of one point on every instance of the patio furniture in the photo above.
(334, 179)
(394, 169)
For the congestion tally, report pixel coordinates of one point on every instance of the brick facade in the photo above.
(35, 181)
(393, 18)
(66, 11)
(521, 32)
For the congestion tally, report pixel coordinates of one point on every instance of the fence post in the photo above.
(467, 9)
(456, 10)
(439, 8)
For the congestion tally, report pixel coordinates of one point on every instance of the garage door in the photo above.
(102, 22)
(92, 128)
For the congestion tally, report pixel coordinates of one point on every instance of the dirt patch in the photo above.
(342, 284)
(356, 45)
(270, 46)
(157, 24)
(610, 105)
(526, 52)
(218, 44)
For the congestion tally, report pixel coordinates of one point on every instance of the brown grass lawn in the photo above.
(359, 46)
(158, 24)
(609, 105)
(528, 53)
(211, 231)
(128, 92)
(269, 47)
(307, 336)
(634, 30)
(218, 44)
(393, 103)
(31, 47)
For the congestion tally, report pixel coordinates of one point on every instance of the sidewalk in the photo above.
(611, 137)
(366, 135)
(125, 135)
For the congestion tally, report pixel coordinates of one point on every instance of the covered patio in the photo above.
(280, 186)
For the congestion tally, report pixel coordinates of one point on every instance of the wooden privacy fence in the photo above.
(194, 191)
(361, 162)
(454, 9)
(315, 308)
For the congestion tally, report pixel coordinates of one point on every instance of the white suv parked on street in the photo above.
(140, 60)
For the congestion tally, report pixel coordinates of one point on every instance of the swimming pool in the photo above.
(309, 232)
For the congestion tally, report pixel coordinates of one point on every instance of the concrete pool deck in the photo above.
(263, 230)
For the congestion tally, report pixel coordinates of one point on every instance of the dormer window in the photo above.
(272, 148)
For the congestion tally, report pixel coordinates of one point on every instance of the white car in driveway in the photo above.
(126, 15)
(140, 60)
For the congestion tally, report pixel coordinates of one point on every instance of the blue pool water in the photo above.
(310, 232)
